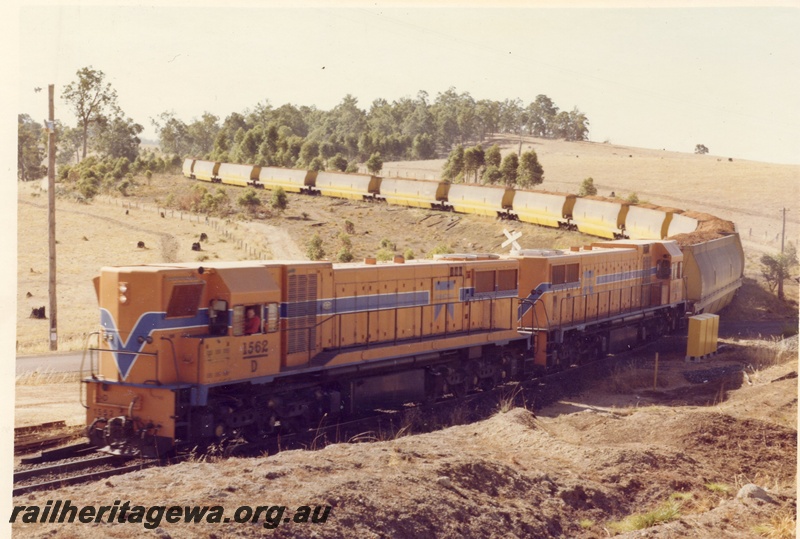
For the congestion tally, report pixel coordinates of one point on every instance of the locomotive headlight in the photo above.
(123, 298)
(123, 287)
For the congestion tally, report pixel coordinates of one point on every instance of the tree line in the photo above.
(295, 136)
(339, 139)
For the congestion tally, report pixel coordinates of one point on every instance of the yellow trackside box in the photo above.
(696, 345)
(712, 333)
(703, 335)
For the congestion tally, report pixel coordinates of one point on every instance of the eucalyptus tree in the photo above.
(474, 160)
(487, 116)
(92, 100)
(202, 132)
(119, 138)
(454, 166)
(493, 156)
(529, 172)
(173, 133)
(509, 168)
(30, 148)
(542, 113)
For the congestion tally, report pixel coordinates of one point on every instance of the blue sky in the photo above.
(649, 77)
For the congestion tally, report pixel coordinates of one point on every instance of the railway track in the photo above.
(36, 437)
(77, 467)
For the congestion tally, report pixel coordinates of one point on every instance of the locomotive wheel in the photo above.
(488, 383)
(459, 390)
(294, 425)
(260, 430)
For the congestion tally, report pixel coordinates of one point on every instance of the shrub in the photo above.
(249, 199)
(587, 187)
(345, 255)
(384, 255)
(279, 201)
(314, 248)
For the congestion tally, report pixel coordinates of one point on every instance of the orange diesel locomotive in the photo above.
(174, 364)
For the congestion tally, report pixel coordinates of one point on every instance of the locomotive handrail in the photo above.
(532, 302)
(153, 354)
(86, 348)
(174, 361)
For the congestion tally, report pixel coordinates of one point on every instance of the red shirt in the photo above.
(252, 325)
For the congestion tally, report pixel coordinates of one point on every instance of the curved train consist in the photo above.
(189, 354)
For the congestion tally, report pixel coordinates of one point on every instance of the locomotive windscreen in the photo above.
(184, 300)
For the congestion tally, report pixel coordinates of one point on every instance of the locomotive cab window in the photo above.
(273, 317)
(664, 269)
(218, 317)
(184, 300)
(247, 319)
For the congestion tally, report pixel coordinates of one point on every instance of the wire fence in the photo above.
(230, 230)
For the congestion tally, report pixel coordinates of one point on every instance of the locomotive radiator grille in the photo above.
(301, 312)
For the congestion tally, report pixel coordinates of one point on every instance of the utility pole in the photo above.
(783, 230)
(781, 276)
(51, 216)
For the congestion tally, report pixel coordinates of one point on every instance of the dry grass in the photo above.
(665, 512)
(782, 525)
(719, 488)
(769, 352)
